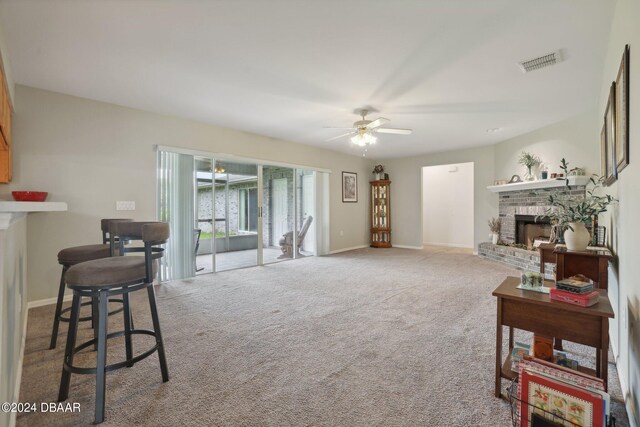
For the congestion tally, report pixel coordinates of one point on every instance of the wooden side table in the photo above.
(592, 263)
(536, 312)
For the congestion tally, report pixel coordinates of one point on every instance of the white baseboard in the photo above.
(337, 251)
(451, 245)
(47, 301)
(408, 247)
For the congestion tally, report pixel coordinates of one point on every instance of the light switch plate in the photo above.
(125, 206)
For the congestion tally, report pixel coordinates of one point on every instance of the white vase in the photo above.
(579, 238)
(494, 238)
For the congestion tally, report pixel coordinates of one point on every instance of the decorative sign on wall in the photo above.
(622, 112)
(614, 137)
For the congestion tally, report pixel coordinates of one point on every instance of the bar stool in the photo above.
(118, 275)
(71, 256)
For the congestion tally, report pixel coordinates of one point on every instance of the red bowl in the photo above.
(29, 196)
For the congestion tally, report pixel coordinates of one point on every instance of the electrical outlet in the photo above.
(341, 233)
(125, 206)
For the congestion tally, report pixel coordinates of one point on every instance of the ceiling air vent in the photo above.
(540, 62)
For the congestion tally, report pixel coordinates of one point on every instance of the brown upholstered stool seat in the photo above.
(71, 256)
(108, 272)
(78, 254)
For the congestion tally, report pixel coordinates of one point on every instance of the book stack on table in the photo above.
(575, 290)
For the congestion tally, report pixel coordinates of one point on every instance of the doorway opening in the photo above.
(448, 205)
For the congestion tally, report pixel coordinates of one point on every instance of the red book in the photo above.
(584, 300)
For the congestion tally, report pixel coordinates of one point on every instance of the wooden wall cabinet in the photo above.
(380, 213)
(5, 131)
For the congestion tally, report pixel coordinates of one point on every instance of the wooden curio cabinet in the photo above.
(380, 214)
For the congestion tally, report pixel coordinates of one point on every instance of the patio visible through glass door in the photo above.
(236, 215)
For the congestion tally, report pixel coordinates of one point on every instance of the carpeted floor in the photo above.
(364, 338)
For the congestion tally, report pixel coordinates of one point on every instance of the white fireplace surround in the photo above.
(539, 184)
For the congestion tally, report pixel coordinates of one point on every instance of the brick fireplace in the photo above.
(527, 205)
(519, 208)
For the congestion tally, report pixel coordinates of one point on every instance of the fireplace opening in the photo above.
(531, 231)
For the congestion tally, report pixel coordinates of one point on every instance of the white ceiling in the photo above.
(287, 68)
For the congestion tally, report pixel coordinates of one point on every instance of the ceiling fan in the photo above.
(363, 131)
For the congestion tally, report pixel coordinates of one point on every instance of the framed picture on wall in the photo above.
(604, 155)
(622, 112)
(349, 187)
(610, 136)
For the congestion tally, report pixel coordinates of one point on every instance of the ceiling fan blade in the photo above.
(337, 127)
(395, 131)
(339, 136)
(377, 122)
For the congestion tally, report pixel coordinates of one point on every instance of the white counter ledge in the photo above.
(11, 211)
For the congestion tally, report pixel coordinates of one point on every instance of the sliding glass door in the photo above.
(232, 214)
(204, 221)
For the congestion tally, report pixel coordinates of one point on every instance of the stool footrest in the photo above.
(86, 318)
(114, 366)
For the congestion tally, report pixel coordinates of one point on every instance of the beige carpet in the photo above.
(365, 338)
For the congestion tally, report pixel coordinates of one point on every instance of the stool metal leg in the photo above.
(68, 352)
(127, 327)
(103, 312)
(95, 321)
(156, 327)
(56, 318)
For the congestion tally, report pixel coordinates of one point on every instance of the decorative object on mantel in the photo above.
(529, 160)
(378, 172)
(514, 179)
(500, 182)
(494, 226)
(576, 172)
(544, 171)
(622, 113)
(573, 212)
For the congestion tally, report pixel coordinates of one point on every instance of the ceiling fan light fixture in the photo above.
(363, 139)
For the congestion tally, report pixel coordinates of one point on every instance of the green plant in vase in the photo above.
(529, 161)
(574, 211)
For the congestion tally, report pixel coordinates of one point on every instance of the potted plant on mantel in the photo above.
(574, 211)
(529, 160)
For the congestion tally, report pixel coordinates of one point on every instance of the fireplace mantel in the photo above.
(539, 184)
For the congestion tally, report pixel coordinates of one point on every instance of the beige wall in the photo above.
(576, 139)
(406, 192)
(623, 221)
(90, 154)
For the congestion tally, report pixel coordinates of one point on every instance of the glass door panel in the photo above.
(236, 215)
(305, 212)
(204, 228)
(278, 206)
